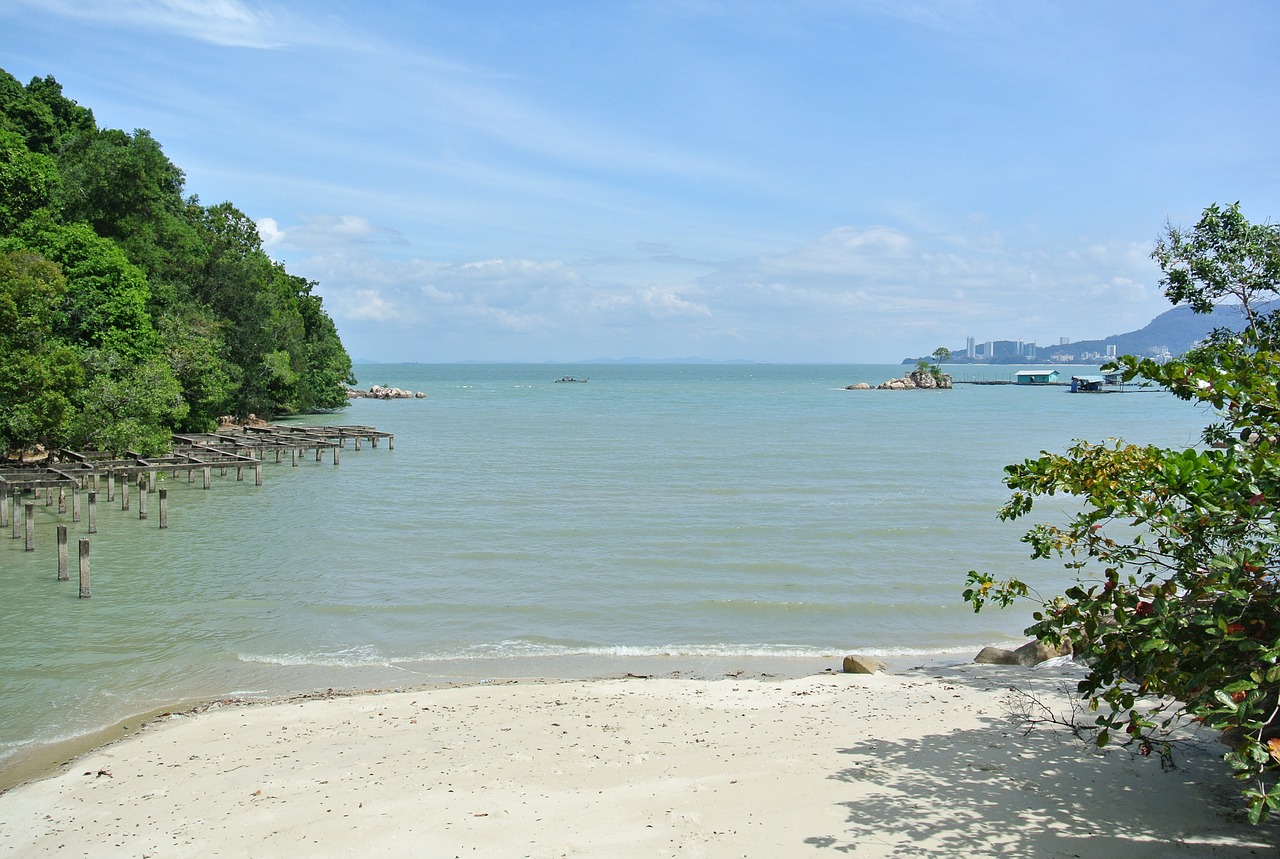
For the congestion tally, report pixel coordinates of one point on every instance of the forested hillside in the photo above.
(129, 311)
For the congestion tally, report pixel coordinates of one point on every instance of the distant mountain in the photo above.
(1174, 331)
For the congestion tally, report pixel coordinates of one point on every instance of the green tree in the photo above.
(127, 406)
(38, 374)
(1176, 605)
(28, 182)
(106, 303)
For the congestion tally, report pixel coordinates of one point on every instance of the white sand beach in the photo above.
(926, 762)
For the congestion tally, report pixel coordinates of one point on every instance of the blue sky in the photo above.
(789, 181)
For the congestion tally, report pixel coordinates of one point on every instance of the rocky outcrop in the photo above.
(378, 392)
(917, 380)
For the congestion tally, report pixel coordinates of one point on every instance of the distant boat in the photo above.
(571, 379)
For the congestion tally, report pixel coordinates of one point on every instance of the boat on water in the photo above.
(571, 379)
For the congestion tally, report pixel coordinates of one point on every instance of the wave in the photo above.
(367, 656)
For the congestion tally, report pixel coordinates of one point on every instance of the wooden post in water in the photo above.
(319, 450)
(93, 512)
(75, 503)
(48, 496)
(142, 499)
(62, 553)
(29, 526)
(191, 475)
(4, 508)
(208, 478)
(164, 508)
(294, 453)
(391, 442)
(257, 474)
(111, 486)
(357, 442)
(151, 481)
(239, 472)
(62, 499)
(17, 509)
(84, 568)
(335, 453)
(124, 494)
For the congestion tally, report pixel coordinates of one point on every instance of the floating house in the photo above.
(1035, 377)
(1087, 384)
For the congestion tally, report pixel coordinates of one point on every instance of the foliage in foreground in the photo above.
(1176, 604)
(127, 311)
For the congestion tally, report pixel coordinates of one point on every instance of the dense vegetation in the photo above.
(1176, 605)
(128, 311)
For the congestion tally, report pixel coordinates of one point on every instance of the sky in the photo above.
(782, 181)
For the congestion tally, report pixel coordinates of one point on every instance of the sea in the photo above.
(696, 519)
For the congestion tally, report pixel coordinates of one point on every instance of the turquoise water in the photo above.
(741, 512)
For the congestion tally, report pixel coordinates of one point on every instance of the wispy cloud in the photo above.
(231, 23)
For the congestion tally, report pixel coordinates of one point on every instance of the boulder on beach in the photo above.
(856, 663)
(1028, 655)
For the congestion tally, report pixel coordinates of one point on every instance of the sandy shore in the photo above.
(921, 763)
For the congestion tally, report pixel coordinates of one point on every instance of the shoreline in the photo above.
(40, 759)
(924, 760)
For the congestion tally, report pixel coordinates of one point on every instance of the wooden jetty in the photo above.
(70, 471)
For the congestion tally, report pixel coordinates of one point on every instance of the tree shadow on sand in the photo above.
(1006, 789)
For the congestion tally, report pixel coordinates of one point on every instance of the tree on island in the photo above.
(128, 312)
(1176, 604)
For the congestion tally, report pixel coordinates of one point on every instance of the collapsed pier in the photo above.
(69, 472)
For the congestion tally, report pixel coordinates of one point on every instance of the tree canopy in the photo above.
(128, 311)
(1176, 605)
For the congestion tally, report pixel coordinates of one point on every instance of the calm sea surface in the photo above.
(659, 512)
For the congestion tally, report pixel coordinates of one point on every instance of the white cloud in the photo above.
(324, 234)
(368, 305)
(851, 293)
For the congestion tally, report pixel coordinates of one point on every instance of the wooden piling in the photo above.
(208, 479)
(29, 526)
(294, 452)
(142, 500)
(124, 494)
(84, 568)
(164, 508)
(17, 509)
(75, 504)
(62, 499)
(335, 453)
(151, 481)
(111, 486)
(62, 553)
(257, 473)
(4, 508)
(93, 512)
